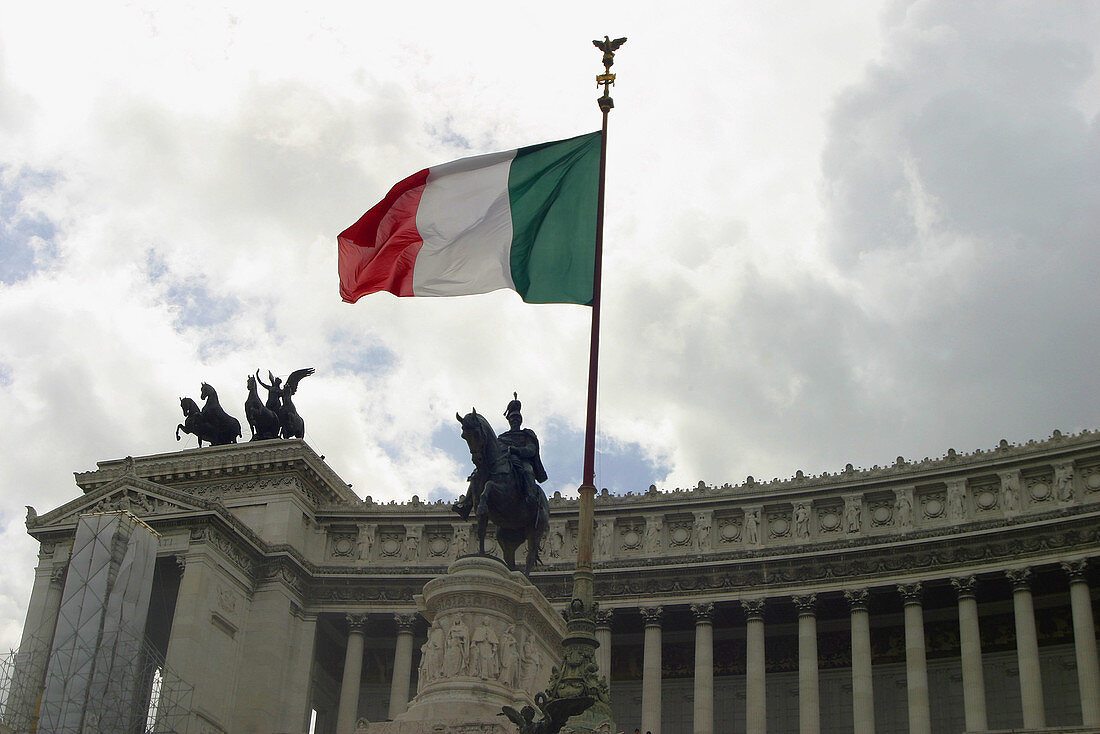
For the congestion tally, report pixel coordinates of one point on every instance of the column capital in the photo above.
(405, 622)
(910, 593)
(858, 599)
(805, 604)
(1020, 578)
(965, 586)
(651, 616)
(754, 608)
(1076, 569)
(603, 618)
(357, 622)
(704, 613)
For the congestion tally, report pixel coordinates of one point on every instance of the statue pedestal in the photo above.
(492, 641)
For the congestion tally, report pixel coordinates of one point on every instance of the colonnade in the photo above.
(809, 714)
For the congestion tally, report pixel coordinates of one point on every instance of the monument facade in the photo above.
(943, 595)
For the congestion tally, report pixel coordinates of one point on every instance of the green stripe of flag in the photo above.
(552, 188)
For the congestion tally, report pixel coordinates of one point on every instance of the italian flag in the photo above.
(523, 219)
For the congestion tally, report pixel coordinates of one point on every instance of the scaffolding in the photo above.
(142, 695)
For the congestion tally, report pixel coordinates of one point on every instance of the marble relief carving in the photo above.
(933, 505)
(779, 524)
(903, 509)
(729, 529)
(438, 543)
(956, 499)
(605, 532)
(852, 511)
(1039, 488)
(412, 544)
(366, 541)
(1010, 492)
(1063, 482)
(479, 648)
(1090, 478)
(801, 521)
(751, 528)
(703, 532)
(653, 534)
(680, 534)
(461, 545)
(631, 535)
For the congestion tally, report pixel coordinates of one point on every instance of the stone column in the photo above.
(603, 636)
(402, 664)
(970, 652)
(1027, 649)
(756, 712)
(1084, 642)
(809, 703)
(348, 711)
(704, 668)
(651, 670)
(863, 698)
(29, 674)
(916, 666)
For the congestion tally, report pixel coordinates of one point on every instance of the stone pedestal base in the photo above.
(492, 642)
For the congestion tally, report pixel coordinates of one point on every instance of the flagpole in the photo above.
(578, 676)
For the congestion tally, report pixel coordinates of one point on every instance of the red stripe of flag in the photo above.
(377, 252)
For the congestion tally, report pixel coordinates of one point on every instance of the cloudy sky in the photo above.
(836, 233)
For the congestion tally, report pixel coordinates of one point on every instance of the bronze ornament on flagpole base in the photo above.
(577, 682)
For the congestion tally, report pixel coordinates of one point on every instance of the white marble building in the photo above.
(943, 595)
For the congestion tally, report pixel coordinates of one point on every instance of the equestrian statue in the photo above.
(262, 420)
(504, 485)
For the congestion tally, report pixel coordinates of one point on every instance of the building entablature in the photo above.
(259, 507)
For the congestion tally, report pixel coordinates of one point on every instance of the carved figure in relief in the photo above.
(903, 510)
(802, 521)
(955, 503)
(751, 529)
(485, 663)
(653, 535)
(1011, 501)
(532, 662)
(603, 539)
(366, 541)
(456, 654)
(462, 541)
(412, 545)
(851, 515)
(702, 532)
(431, 656)
(509, 657)
(557, 542)
(1063, 482)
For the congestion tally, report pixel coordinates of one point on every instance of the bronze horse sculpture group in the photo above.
(276, 418)
(498, 495)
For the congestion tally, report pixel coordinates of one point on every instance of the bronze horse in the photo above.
(262, 421)
(496, 488)
(211, 424)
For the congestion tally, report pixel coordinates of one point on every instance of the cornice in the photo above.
(195, 467)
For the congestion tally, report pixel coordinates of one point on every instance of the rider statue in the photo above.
(523, 449)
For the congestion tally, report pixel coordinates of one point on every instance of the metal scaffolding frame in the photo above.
(144, 697)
